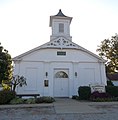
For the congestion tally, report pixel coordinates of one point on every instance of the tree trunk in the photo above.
(14, 87)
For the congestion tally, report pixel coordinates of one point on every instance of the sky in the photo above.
(24, 24)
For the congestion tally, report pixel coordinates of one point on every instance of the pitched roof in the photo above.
(59, 43)
(113, 77)
(60, 14)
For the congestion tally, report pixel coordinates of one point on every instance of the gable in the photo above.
(60, 42)
(49, 51)
(52, 55)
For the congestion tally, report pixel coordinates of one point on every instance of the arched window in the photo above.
(61, 74)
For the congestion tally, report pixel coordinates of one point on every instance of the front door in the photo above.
(61, 83)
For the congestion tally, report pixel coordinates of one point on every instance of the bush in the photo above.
(100, 96)
(30, 101)
(22, 101)
(44, 100)
(110, 83)
(103, 100)
(17, 101)
(75, 97)
(112, 90)
(84, 92)
(39, 100)
(6, 96)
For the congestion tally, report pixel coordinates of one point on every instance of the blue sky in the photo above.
(24, 24)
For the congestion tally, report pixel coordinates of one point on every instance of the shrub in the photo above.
(75, 97)
(101, 97)
(44, 100)
(84, 92)
(17, 101)
(110, 83)
(30, 101)
(6, 96)
(112, 90)
(96, 94)
(39, 100)
(102, 100)
(22, 101)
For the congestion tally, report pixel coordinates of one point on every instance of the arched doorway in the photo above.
(61, 79)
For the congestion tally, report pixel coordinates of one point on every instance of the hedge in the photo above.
(112, 90)
(6, 96)
(84, 92)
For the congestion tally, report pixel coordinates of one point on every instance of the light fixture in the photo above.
(75, 74)
(46, 74)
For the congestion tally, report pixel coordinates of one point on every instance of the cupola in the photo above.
(60, 25)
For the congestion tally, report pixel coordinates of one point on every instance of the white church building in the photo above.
(59, 67)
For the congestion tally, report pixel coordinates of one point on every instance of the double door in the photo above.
(61, 83)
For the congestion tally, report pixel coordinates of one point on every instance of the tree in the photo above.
(108, 50)
(5, 65)
(110, 83)
(17, 81)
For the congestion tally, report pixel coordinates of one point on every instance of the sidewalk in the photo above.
(66, 105)
(62, 109)
(72, 106)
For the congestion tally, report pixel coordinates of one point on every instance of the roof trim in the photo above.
(45, 46)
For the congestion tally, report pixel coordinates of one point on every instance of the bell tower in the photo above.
(60, 25)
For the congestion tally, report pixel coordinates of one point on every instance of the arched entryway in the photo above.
(61, 80)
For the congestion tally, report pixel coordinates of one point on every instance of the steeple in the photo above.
(60, 25)
(60, 14)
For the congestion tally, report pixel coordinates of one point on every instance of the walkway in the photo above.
(65, 105)
(62, 109)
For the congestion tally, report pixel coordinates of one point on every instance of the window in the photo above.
(61, 53)
(46, 83)
(61, 74)
(61, 28)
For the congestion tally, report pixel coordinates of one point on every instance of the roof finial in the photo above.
(60, 13)
(60, 10)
